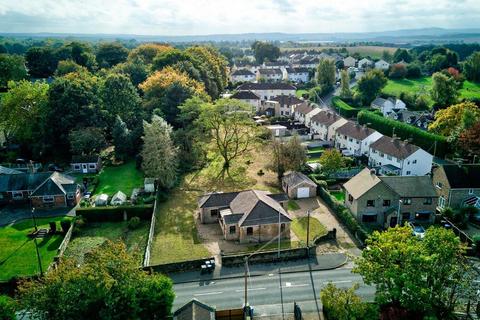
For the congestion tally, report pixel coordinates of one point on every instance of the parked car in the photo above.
(417, 230)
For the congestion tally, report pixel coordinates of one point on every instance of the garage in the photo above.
(303, 193)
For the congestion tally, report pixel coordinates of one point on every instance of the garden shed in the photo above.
(101, 200)
(118, 199)
(298, 186)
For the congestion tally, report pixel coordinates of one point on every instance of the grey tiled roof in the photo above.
(463, 176)
(85, 159)
(354, 130)
(394, 147)
(242, 72)
(304, 108)
(56, 184)
(325, 117)
(245, 95)
(5, 170)
(418, 186)
(216, 199)
(266, 86)
(295, 178)
(270, 71)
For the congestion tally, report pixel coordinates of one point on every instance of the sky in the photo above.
(201, 17)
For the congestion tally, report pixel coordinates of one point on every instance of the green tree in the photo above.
(159, 155)
(7, 308)
(148, 51)
(448, 120)
(22, 109)
(122, 139)
(80, 52)
(41, 62)
(444, 90)
(326, 74)
(472, 67)
(135, 68)
(110, 54)
(387, 56)
(265, 51)
(108, 285)
(331, 161)
(169, 58)
(345, 92)
(402, 54)
(87, 141)
(370, 85)
(345, 304)
(12, 68)
(67, 66)
(287, 156)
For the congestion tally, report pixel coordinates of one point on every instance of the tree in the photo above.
(122, 139)
(231, 129)
(169, 58)
(265, 51)
(449, 119)
(111, 53)
(471, 67)
(402, 55)
(22, 108)
(416, 275)
(67, 66)
(41, 62)
(345, 304)
(387, 56)
(444, 90)
(108, 285)
(159, 155)
(148, 51)
(469, 140)
(345, 92)
(326, 74)
(80, 52)
(87, 141)
(397, 71)
(414, 71)
(331, 161)
(287, 156)
(12, 68)
(370, 85)
(7, 308)
(120, 98)
(135, 68)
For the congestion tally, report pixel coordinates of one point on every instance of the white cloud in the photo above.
(169, 17)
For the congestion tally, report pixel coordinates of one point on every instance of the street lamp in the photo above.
(35, 242)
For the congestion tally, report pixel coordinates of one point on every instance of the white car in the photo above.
(418, 231)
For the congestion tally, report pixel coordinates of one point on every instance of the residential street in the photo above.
(272, 293)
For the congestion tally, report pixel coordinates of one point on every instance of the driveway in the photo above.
(11, 214)
(324, 214)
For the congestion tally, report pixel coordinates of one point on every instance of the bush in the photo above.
(423, 139)
(65, 224)
(134, 223)
(53, 226)
(7, 308)
(149, 199)
(112, 214)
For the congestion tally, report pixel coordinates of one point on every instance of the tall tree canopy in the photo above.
(111, 53)
(12, 68)
(41, 61)
(449, 119)
(265, 51)
(472, 67)
(148, 51)
(287, 156)
(444, 90)
(108, 285)
(326, 74)
(135, 68)
(402, 55)
(80, 52)
(370, 85)
(66, 66)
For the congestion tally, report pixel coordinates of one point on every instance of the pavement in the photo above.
(327, 261)
(272, 294)
(13, 214)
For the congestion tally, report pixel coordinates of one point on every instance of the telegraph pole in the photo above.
(279, 228)
(246, 284)
(308, 226)
(35, 242)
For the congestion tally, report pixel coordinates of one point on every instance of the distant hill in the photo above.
(395, 36)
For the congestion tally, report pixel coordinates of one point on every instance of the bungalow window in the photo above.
(407, 201)
(249, 231)
(408, 172)
(232, 229)
(214, 212)
(17, 195)
(91, 166)
(47, 199)
(370, 203)
(427, 201)
(369, 218)
(414, 161)
(386, 203)
(76, 166)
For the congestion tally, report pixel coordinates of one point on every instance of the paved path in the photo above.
(12, 214)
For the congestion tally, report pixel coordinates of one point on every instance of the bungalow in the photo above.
(349, 62)
(298, 75)
(86, 164)
(382, 65)
(388, 106)
(355, 138)
(282, 105)
(300, 111)
(270, 75)
(364, 63)
(393, 156)
(457, 185)
(325, 124)
(267, 91)
(248, 97)
(298, 186)
(194, 310)
(43, 189)
(387, 201)
(246, 216)
(242, 75)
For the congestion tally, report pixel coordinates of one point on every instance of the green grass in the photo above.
(292, 205)
(470, 90)
(315, 149)
(339, 195)
(17, 251)
(300, 93)
(123, 178)
(92, 235)
(299, 226)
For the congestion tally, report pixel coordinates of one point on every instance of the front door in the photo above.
(84, 168)
(393, 221)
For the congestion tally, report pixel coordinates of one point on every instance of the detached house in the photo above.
(247, 216)
(382, 65)
(271, 75)
(242, 75)
(248, 97)
(457, 185)
(349, 62)
(388, 106)
(86, 164)
(387, 201)
(325, 124)
(394, 156)
(282, 105)
(43, 189)
(364, 64)
(267, 91)
(355, 138)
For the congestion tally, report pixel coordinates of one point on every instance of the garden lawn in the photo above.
(123, 178)
(17, 251)
(92, 235)
(299, 226)
(339, 195)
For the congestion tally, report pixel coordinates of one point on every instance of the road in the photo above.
(271, 294)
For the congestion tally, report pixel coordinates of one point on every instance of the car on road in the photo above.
(417, 230)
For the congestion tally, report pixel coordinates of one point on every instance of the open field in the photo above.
(372, 51)
(123, 178)
(17, 251)
(92, 235)
(299, 226)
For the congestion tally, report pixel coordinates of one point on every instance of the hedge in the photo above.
(102, 214)
(344, 109)
(423, 139)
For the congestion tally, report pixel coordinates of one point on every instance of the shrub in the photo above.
(423, 139)
(134, 223)
(149, 199)
(65, 224)
(53, 226)
(7, 308)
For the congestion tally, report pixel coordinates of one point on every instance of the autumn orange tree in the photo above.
(449, 119)
(469, 140)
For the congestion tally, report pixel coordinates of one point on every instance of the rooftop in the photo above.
(465, 176)
(394, 147)
(326, 118)
(266, 86)
(355, 130)
(245, 95)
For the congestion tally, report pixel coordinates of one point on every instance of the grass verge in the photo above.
(299, 226)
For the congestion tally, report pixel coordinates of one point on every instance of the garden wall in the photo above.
(151, 234)
(115, 214)
(267, 256)
(182, 266)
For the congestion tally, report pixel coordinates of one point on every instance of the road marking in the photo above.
(297, 285)
(252, 289)
(288, 284)
(339, 281)
(208, 293)
(270, 274)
